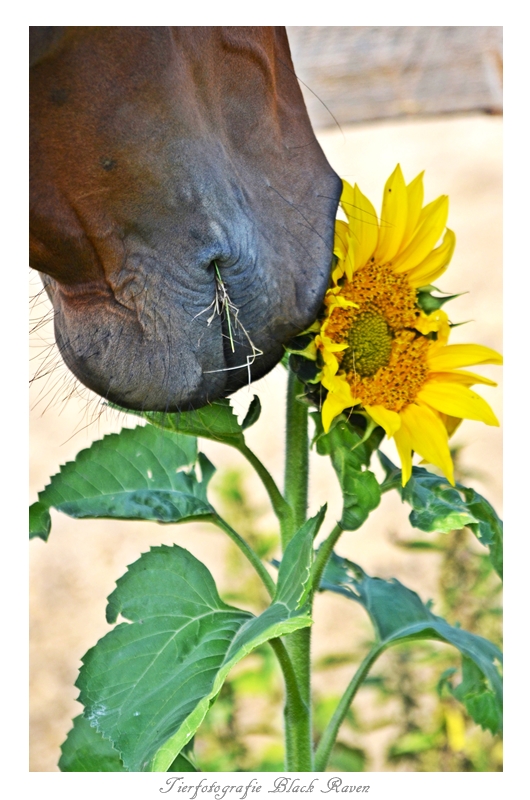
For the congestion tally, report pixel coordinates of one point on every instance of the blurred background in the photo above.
(428, 98)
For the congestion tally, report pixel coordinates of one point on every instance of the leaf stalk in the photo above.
(327, 741)
(248, 552)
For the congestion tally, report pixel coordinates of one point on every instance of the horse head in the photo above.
(182, 211)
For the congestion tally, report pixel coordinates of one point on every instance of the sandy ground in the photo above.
(73, 573)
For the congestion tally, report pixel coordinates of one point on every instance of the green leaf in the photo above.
(476, 694)
(40, 522)
(85, 750)
(349, 454)
(437, 506)
(293, 585)
(347, 759)
(142, 473)
(398, 615)
(253, 413)
(392, 473)
(487, 528)
(444, 680)
(148, 685)
(343, 434)
(185, 761)
(216, 421)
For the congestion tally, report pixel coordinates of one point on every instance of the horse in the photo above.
(181, 209)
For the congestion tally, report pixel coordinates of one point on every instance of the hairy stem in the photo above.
(296, 458)
(296, 715)
(327, 741)
(298, 727)
(248, 552)
(279, 505)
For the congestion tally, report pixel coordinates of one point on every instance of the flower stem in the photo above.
(299, 745)
(296, 715)
(296, 458)
(327, 741)
(248, 552)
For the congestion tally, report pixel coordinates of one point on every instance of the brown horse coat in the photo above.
(171, 169)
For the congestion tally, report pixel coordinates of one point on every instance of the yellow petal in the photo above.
(457, 400)
(452, 356)
(336, 384)
(334, 404)
(435, 264)
(404, 448)
(331, 293)
(415, 202)
(363, 225)
(433, 322)
(350, 264)
(460, 376)
(337, 272)
(340, 247)
(393, 217)
(324, 343)
(428, 437)
(331, 409)
(450, 423)
(331, 364)
(427, 234)
(334, 301)
(330, 368)
(389, 420)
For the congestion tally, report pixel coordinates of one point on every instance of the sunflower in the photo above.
(378, 349)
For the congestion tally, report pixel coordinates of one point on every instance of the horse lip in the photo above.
(86, 346)
(86, 292)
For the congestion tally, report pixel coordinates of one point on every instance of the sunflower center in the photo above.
(370, 345)
(385, 361)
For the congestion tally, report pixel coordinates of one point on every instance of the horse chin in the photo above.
(169, 361)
